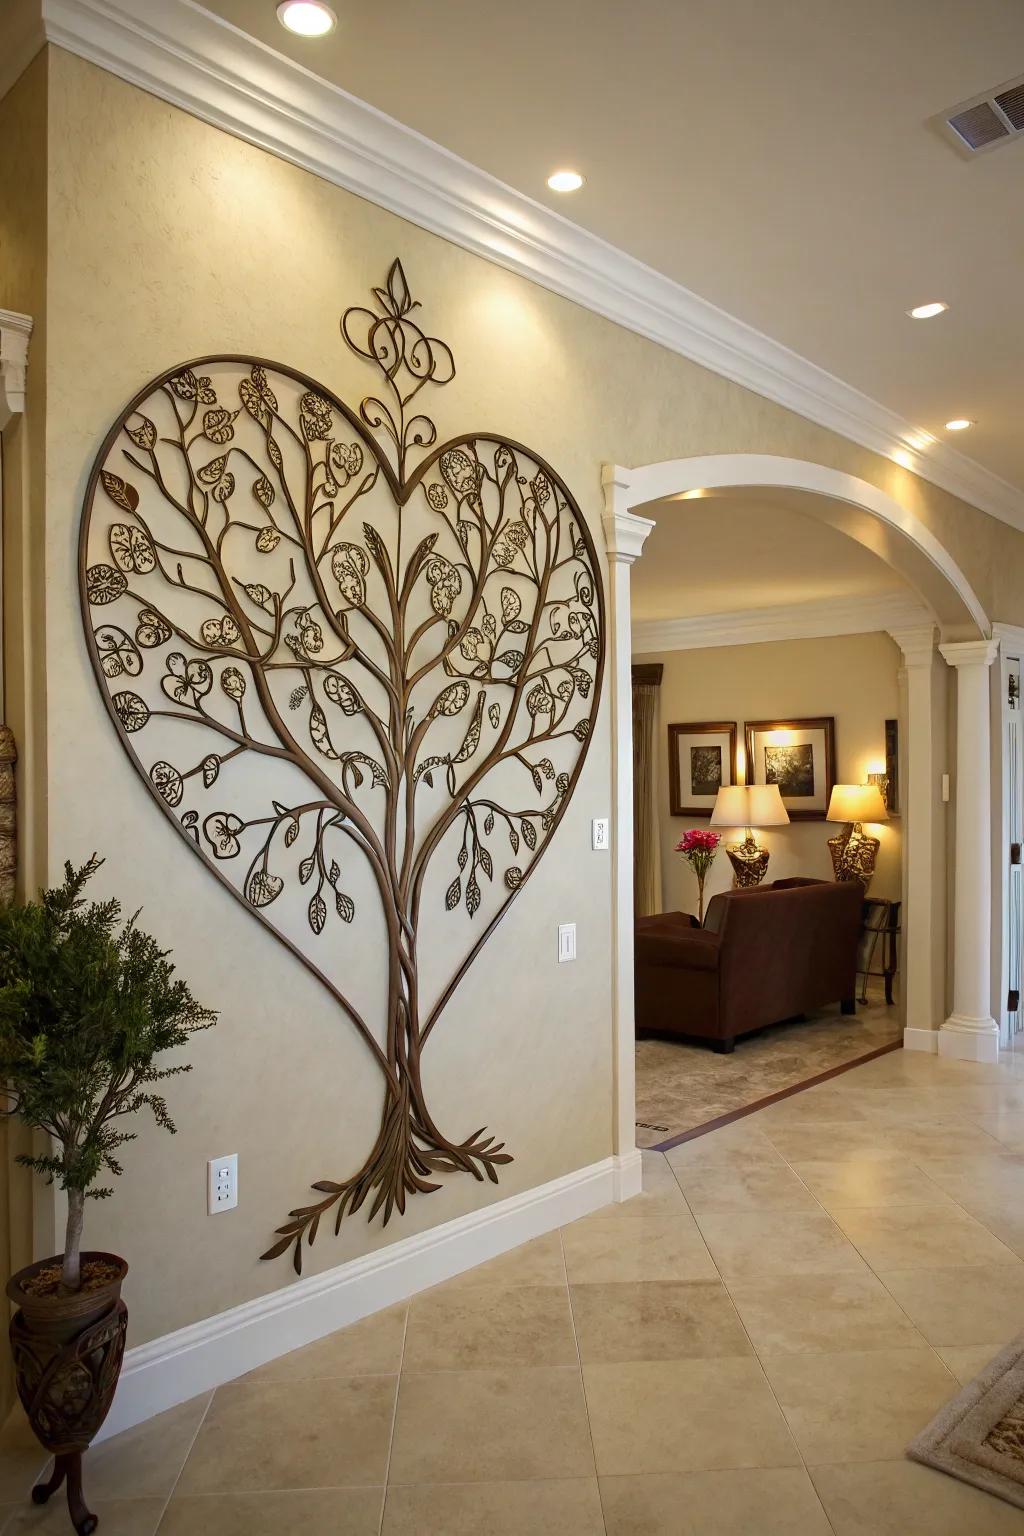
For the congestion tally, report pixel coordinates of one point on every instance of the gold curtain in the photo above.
(646, 842)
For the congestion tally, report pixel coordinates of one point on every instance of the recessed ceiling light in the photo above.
(307, 18)
(565, 181)
(958, 424)
(927, 311)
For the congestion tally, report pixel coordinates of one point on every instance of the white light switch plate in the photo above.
(566, 942)
(222, 1184)
(599, 833)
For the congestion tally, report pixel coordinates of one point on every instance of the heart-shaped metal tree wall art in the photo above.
(348, 681)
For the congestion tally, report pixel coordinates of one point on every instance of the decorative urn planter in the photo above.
(67, 1351)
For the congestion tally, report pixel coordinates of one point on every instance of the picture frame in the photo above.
(888, 782)
(799, 756)
(703, 757)
(892, 767)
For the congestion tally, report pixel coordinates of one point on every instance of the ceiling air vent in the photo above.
(993, 118)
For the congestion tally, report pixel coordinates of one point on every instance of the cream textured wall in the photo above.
(23, 133)
(169, 239)
(852, 677)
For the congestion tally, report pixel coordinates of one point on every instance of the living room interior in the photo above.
(440, 475)
(749, 618)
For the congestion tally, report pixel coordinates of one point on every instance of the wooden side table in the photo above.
(878, 951)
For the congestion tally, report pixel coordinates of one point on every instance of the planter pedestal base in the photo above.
(68, 1465)
(66, 1387)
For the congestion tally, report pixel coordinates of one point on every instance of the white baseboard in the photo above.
(921, 1040)
(181, 1365)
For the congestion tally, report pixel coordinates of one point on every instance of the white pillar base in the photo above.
(920, 1039)
(628, 1174)
(963, 1039)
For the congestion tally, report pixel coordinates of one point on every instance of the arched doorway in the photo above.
(955, 629)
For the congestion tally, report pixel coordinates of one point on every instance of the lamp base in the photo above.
(749, 862)
(854, 854)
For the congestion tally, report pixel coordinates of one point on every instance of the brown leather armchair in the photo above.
(763, 955)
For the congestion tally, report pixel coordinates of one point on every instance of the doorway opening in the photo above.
(799, 609)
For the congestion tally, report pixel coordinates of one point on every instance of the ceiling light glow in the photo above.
(927, 311)
(307, 18)
(565, 181)
(958, 424)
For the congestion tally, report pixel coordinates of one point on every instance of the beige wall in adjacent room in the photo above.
(170, 240)
(852, 677)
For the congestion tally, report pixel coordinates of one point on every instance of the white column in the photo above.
(922, 877)
(624, 536)
(971, 1033)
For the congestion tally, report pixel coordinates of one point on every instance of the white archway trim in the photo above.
(15, 331)
(628, 489)
(636, 488)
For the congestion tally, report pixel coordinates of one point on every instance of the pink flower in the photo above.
(698, 840)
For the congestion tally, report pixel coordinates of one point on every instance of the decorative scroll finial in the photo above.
(407, 359)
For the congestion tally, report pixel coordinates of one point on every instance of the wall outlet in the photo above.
(222, 1183)
(600, 839)
(566, 942)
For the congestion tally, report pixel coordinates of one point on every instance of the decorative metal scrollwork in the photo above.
(344, 679)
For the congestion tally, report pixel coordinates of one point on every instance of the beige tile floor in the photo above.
(743, 1350)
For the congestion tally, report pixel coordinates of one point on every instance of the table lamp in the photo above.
(749, 806)
(853, 851)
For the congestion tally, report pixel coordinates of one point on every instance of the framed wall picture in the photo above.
(702, 757)
(797, 755)
(892, 767)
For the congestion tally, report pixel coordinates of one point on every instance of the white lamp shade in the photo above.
(857, 802)
(766, 807)
(749, 805)
(731, 804)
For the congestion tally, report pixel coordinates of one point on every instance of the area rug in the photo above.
(979, 1436)
(683, 1088)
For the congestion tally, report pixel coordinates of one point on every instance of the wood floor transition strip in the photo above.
(772, 1098)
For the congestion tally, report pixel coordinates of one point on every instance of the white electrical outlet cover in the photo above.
(599, 833)
(222, 1184)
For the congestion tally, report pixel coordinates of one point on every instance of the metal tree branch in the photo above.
(395, 668)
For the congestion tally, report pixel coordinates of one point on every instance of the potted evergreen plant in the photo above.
(87, 1005)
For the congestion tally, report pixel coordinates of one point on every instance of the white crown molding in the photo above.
(791, 621)
(179, 52)
(181, 1365)
(15, 331)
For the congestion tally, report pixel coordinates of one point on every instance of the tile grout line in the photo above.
(394, 1419)
(583, 1384)
(874, 1273)
(191, 1447)
(760, 1365)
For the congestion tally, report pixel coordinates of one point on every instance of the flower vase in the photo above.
(698, 848)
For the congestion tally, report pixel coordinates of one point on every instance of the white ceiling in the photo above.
(731, 553)
(775, 158)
